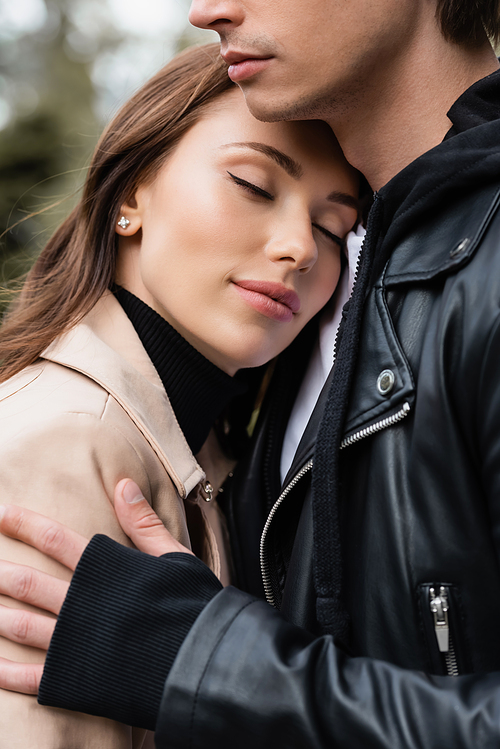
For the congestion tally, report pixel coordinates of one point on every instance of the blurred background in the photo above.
(65, 68)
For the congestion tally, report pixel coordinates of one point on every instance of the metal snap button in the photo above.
(385, 382)
(461, 247)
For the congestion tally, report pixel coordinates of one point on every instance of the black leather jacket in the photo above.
(420, 515)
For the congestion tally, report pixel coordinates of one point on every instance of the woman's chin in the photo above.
(246, 348)
(251, 360)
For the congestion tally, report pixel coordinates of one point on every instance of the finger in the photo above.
(26, 628)
(49, 536)
(32, 586)
(20, 677)
(141, 523)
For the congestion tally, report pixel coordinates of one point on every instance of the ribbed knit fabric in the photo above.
(328, 574)
(102, 660)
(198, 390)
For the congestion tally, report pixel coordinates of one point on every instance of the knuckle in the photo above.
(52, 539)
(149, 521)
(31, 680)
(21, 626)
(23, 583)
(13, 519)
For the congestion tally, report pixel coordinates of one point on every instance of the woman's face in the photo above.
(233, 242)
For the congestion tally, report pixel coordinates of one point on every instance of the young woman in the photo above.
(202, 245)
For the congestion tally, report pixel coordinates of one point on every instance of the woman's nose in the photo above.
(294, 243)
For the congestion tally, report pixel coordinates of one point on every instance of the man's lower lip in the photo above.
(265, 305)
(240, 71)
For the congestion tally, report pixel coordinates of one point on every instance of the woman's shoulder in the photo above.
(50, 406)
(46, 388)
(55, 421)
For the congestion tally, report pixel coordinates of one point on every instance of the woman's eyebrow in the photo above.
(344, 199)
(290, 166)
(294, 169)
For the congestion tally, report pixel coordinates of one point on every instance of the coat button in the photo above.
(385, 382)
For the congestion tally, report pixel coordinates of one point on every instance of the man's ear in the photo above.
(130, 219)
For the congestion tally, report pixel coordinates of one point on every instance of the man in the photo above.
(382, 552)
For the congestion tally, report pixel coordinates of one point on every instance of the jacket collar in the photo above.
(441, 246)
(465, 163)
(455, 234)
(106, 348)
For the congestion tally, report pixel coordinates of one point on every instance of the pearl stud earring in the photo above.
(123, 222)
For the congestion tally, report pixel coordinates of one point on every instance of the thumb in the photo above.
(141, 523)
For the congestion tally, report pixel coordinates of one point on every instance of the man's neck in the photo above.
(403, 112)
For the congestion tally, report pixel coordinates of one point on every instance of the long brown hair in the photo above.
(78, 263)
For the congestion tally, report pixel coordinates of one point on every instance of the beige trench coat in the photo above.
(90, 412)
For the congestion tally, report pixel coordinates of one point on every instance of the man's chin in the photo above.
(266, 108)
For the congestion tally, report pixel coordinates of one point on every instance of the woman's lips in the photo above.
(246, 68)
(270, 299)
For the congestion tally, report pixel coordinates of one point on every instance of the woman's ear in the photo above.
(130, 219)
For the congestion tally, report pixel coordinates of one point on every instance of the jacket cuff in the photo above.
(122, 623)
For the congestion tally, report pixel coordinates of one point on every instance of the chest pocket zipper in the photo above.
(439, 606)
(443, 627)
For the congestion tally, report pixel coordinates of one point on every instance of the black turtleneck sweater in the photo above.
(198, 391)
(104, 674)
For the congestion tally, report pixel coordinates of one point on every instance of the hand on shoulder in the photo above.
(139, 521)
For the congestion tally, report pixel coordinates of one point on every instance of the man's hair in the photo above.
(465, 21)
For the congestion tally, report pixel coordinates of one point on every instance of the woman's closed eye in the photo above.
(338, 240)
(250, 187)
(259, 192)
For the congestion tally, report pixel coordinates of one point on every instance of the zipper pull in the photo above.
(439, 608)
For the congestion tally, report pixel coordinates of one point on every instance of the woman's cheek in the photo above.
(326, 281)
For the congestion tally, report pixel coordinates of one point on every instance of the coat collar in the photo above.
(106, 348)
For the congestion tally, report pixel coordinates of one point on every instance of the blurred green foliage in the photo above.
(80, 60)
(43, 154)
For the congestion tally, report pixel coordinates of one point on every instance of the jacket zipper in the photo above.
(263, 560)
(439, 607)
(354, 279)
(366, 432)
(377, 427)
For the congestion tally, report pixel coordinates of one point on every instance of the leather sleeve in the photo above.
(244, 677)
